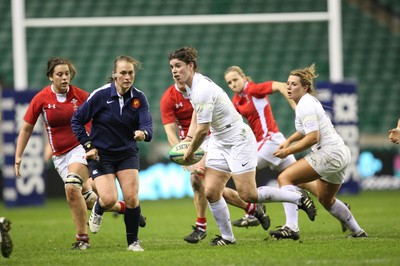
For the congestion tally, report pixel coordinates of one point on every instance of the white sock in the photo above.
(298, 188)
(220, 211)
(291, 211)
(273, 194)
(343, 214)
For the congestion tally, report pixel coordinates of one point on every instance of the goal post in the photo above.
(20, 23)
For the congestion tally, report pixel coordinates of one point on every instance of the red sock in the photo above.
(82, 237)
(250, 208)
(201, 223)
(122, 211)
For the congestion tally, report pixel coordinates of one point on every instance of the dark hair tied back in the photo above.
(55, 61)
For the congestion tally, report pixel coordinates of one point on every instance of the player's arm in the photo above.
(198, 138)
(293, 138)
(145, 131)
(170, 130)
(48, 153)
(303, 142)
(394, 134)
(23, 138)
(192, 127)
(282, 88)
(197, 132)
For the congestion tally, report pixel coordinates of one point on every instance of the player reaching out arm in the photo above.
(394, 134)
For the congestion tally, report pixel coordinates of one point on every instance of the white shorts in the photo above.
(61, 163)
(267, 147)
(235, 152)
(330, 162)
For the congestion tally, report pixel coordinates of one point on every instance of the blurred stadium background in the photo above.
(266, 51)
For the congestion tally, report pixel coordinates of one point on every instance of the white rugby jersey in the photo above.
(212, 104)
(311, 116)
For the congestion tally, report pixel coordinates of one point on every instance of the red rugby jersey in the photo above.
(176, 109)
(254, 105)
(57, 116)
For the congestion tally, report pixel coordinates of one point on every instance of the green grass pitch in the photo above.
(44, 236)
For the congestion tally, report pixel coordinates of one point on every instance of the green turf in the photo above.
(44, 236)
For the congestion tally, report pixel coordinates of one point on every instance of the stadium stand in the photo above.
(264, 51)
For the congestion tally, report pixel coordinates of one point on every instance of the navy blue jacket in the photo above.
(113, 120)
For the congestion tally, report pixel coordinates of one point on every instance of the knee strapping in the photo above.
(90, 198)
(73, 179)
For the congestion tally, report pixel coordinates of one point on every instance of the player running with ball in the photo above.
(232, 148)
(176, 112)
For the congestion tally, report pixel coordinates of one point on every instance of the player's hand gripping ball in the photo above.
(176, 154)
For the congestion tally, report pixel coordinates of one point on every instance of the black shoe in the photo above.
(246, 221)
(307, 205)
(358, 235)
(284, 232)
(219, 241)
(142, 221)
(5, 238)
(343, 224)
(195, 236)
(80, 245)
(262, 217)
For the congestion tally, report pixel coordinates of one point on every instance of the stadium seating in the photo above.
(264, 51)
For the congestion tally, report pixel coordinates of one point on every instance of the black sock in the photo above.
(131, 219)
(98, 209)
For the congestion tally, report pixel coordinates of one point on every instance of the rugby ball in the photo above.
(176, 154)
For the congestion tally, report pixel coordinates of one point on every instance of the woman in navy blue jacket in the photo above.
(120, 117)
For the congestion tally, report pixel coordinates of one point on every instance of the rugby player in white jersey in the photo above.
(329, 157)
(232, 148)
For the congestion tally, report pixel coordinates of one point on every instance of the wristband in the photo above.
(88, 146)
(190, 137)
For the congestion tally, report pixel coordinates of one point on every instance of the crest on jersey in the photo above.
(74, 101)
(136, 103)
